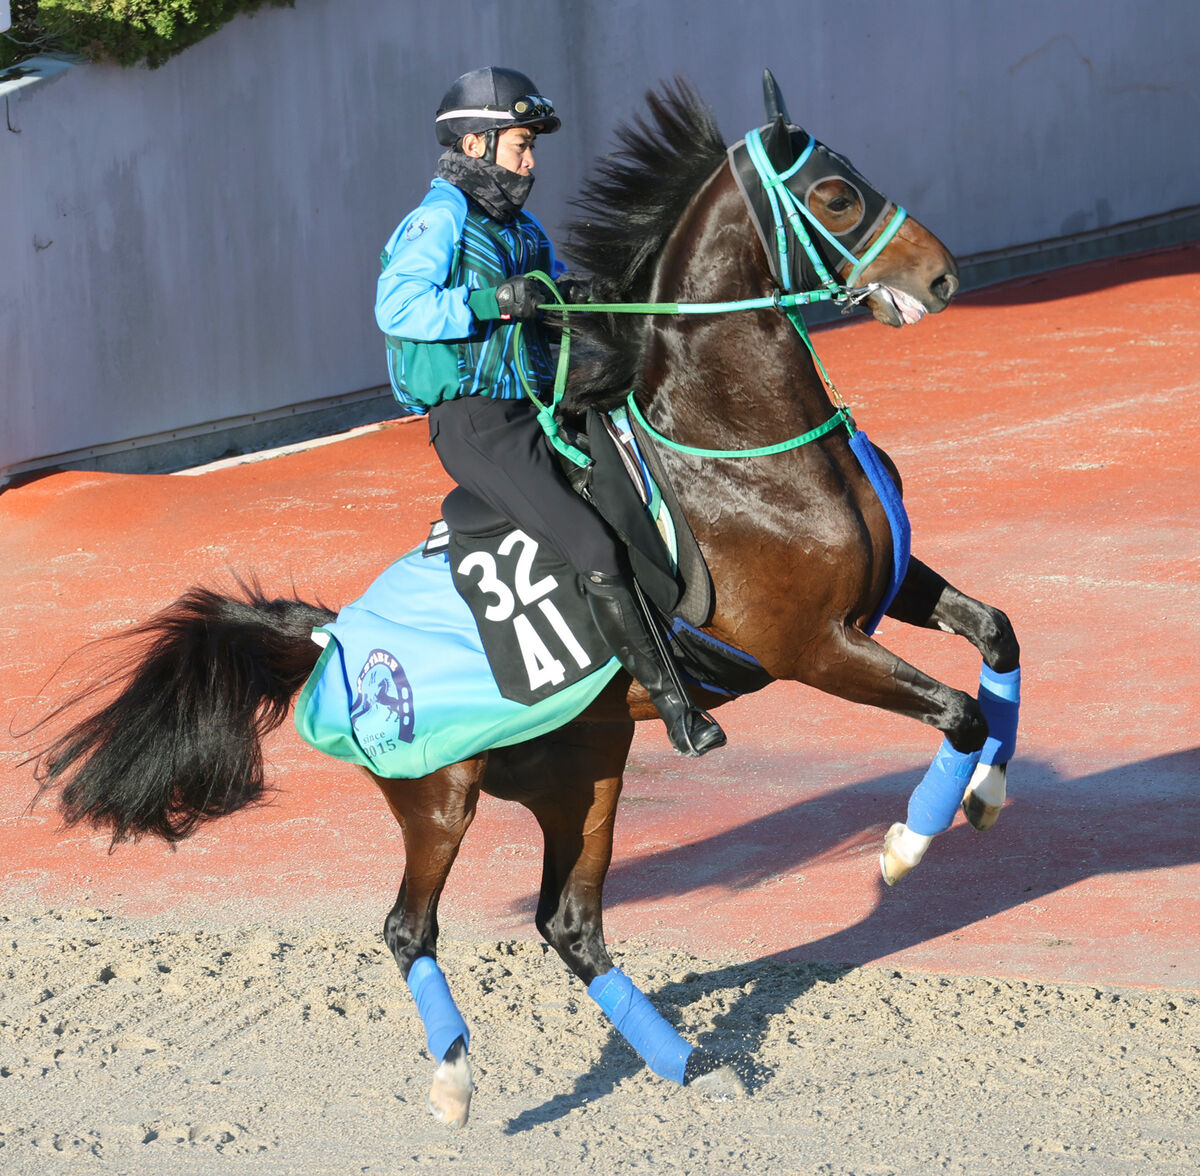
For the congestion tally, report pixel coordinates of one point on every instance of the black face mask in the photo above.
(498, 191)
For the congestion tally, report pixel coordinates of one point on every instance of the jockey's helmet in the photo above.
(493, 99)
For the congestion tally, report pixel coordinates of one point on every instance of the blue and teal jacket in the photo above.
(437, 350)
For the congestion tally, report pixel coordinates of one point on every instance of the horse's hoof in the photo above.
(712, 1077)
(722, 1083)
(902, 851)
(891, 865)
(449, 1098)
(984, 797)
(981, 815)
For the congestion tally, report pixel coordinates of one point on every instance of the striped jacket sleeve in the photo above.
(411, 297)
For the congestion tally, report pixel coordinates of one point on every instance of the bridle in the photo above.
(784, 195)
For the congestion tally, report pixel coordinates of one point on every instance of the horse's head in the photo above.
(665, 220)
(840, 227)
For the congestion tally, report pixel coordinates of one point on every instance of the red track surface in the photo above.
(1049, 435)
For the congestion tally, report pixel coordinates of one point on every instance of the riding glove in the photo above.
(517, 298)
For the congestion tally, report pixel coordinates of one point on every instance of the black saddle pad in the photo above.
(533, 619)
(531, 612)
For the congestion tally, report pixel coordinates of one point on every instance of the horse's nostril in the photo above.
(945, 287)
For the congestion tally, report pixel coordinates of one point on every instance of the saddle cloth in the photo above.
(404, 686)
(479, 638)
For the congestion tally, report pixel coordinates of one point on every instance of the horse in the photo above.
(798, 543)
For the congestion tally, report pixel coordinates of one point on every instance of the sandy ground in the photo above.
(155, 1037)
(130, 1046)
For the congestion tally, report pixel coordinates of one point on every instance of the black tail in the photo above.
(180, 743)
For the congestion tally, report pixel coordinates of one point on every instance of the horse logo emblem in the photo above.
(383, 713)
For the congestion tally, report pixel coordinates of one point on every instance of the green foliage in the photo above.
(126, 31)
(25, 38)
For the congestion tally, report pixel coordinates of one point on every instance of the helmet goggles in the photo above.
(530, 110)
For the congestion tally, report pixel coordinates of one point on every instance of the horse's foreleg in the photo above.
(434, 814)
(851, 665)
(848, 664)
(583, 766)
(928, 601)
(925, 599)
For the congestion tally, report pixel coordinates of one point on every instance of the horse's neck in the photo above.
(727, 381)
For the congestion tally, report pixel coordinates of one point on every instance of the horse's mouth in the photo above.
(894, 308)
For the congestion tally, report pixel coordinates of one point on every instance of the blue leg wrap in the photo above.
(443, 1022)
(935, 800)
(1000, 698)
(641, 1024)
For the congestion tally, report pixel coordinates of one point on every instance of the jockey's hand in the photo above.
(516, 298)
(519, 298)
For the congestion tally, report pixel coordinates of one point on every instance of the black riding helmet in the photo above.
(486, 101)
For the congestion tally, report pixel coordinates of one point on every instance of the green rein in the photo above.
(547, 414)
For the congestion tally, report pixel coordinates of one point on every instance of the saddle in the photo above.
(480, 638)
(497, 568)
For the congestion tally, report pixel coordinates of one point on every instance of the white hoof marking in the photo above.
(985, 794)
(902, 851)
(450, 1095)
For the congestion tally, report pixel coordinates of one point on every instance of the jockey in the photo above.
(448, 298)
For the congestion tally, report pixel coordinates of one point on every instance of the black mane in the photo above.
(629, 207)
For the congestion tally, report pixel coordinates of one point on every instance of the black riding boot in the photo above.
(623, 628)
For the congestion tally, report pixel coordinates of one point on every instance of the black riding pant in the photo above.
(496, 449)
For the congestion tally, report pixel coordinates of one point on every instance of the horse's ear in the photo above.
(778, 143)
(773, 98)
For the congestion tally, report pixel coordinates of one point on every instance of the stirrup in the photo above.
(692, 731)
(708, 737)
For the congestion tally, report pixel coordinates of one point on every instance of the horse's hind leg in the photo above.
(434, 814)
(580, 769)
(925, 599)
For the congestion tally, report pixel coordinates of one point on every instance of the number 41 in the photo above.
(541, 666)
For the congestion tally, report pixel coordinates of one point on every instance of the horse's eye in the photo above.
(840, 204)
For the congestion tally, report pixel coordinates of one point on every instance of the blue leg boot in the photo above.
(1000, 698)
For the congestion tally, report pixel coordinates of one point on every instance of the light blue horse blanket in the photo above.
(403, 686)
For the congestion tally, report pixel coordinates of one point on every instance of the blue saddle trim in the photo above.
(897, 517)
(745, 673)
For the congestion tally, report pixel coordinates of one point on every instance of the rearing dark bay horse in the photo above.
(799, 544)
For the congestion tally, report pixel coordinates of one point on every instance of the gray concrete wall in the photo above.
(193, 248)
